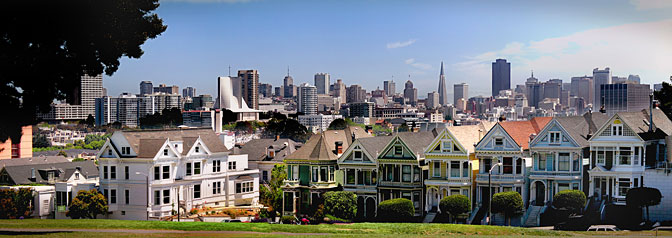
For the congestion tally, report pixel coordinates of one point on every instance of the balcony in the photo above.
(536, 173)
(507, 178)
(400, 184)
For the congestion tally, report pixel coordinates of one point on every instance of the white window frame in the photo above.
(555, 137)
(617, 129)
(500, 139)
(447, 149)
(361, 155)
(436, 170)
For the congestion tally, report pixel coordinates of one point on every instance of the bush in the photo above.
(193, 211)
(508, 203)
(87, 204)
(287, 219)
(455, 205)
(572, 200)
(399, 209)
(340, 204)
(15, 203)
(643, 197)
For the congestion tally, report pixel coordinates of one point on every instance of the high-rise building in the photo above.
(443, 97)
(266, 90)
(162, 88)
(339, 92)
(229, 96)
(460, 90)
(600, 77)
(410, 93)
(355, 93)
(361, 109)
(127, 109)
(307, 99)
(389, 87)
(249, 82)
(322, 83)
(501, 76)
(552, 89)
(277, 91)
(432, 100)
(189, 92)
(81, 103)
(582, 87)
(146, 88)
(624, 97)
(534, 91)
(288, 86)
(634, 78)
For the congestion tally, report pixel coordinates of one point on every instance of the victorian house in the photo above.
(313, 169)
(264, 154)
(153, 174)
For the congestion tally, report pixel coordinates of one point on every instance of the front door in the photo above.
(540, 195)
(435, 200)
(485, 197)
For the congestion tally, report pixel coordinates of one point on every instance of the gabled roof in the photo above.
(256, 149)
(21, 174)
(520, 131)
(70, 152)
(639, 123)
(376, 144)
(322, 146)
(581, 127)
(469, 136)
(417, 141)
(148, 142)
(33, 160)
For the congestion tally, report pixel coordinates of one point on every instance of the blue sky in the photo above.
(366, 42)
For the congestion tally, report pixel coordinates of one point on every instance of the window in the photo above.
(16, 150)
(358, 155)
(323, 173)
(446, 146)
(197, 149)
(575, 186)
(437, 169)
(398, 150)
(106, 194)
(76, 176)
(109, 152)
(127, 173)
(113, 172)
(232, 165)
(105, 172)
(216, 187)
(454, 192)
(465, 169)
(197, 191)
(350, 176)
(563, 187)
(61, 198)
(32, 173)
(165, 152)
(166, 172)
(636, 157)
(541, 162)
(616, 130)
(454, 169)
(166, 196)
(157, 173)
(244, 187)
(367, 177)
(487, 165)
(550, 165)
(555, 137)
(623, 186)
(331, 173)
(216, 166)
(600, 156)
(624, 155)
(127, 196)
(360, 177)
(157, 197)
(264, 175)
(519, 166)
(188, 169)
(113, 196)
(507, 166)
(406, 173)
(314, 173)
(563, 161)
(576, 164)
(499, 141)
(197, 168)
(416, 174)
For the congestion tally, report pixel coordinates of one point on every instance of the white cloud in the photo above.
(651, 4)
(400, 44)
(417, 65)
(636, 48)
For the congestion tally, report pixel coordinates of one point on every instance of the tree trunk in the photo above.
(648, 218)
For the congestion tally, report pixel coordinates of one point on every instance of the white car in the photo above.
(603, 228)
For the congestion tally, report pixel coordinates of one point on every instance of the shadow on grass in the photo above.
(31, 233)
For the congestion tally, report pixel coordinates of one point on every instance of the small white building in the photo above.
(152, 174)
(319, 122)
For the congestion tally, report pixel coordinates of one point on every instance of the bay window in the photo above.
(563, 161)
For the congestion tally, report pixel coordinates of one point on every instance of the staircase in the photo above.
(429, 217)
(533, 213)
(480, 215)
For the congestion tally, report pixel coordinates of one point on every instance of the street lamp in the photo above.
(147, 192)
(490, 192)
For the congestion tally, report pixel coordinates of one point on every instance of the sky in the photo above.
(366, 42)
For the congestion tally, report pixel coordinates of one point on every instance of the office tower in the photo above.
(411, 93)
(616, 79)
(189, 92)
(266, 90)
(322, 83)
(534, 91)
(389, 87)
(146, 88)
(277, 91)
(624, 97)
(339, 92)
(600, 77)
(501, 76)
(552, 88)
(582, 87)
(249, 82)
(162, 88)
(443, 97)
(127, 109)
(355, 93)
(307, 99)
(361, 109)
(81, 103)
(634, 78)
(460, 90)
(288, 85)
(432, 100)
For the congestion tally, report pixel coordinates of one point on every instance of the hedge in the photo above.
(455, 205)
(340, 204)
(572, 200)
(399, 209)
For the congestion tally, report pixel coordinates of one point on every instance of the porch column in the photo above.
(427, 200)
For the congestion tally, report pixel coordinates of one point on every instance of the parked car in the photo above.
(603, 228)
(231, 220)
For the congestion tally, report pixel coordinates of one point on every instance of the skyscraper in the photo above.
(189, 92)
(443, 97)
(307, 99)
(411, 93)
(432, 100)
(460, 90)
(266, 90)
(624, 97)
(146, 88)
(322, 83)
(162, 88)
(249, 83)
(339, 92)
(600, 77)
(389, 87)
(501, 76)
(355, 93)
(534, 91)
(81, 103)
(288, 86)
(582, 87)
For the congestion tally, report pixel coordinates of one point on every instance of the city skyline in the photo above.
(571, 48)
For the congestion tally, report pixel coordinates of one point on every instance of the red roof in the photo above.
(520, 131)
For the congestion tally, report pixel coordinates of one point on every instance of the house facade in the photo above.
(147, 175)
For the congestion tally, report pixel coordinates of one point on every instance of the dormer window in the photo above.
(165, 152)
(197, 149)
(398, 150)
(358, 155)
(77, 176)
(616, 130)
(446, 146)
(499, 141)
(554, 137)
(109, 152)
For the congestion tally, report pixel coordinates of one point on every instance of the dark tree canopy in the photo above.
(338, 124)
(46, 46)
(643, 197)
(167, 118)
(87, 204)
(288, 128)
(508, 203)
(664, 97)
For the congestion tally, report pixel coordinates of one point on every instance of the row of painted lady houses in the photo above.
(602, 155)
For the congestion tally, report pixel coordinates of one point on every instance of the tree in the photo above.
(48, 45)
(271, 193)
(62, 153)
(398, 209)
(338, 124)
(455, 205)
(572, 200)
(15, 203)
(228, 116)
(41, 141)
(403, 128)
(90, 121)
(288, 128)
(643, 197)
(341, 204)
(664, 97)
(508, 203)
(87, 205)
(167, 118)
(244, 126)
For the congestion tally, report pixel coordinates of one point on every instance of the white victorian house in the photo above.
(152, 174)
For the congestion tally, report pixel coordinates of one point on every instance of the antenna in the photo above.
(229, 70)
(287, 70)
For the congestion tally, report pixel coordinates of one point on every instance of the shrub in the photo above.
(87, 204)
(455, 205)
(15, 203)
(340, 204)
(572, 200)
(399, 209)
(193, 211)
(508, 203)
(287, 219)
(643, 197)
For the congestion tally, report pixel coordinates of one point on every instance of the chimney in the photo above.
(353, 137)
(532, 136)
(368, 129)
(277, 137)
(339, 147)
